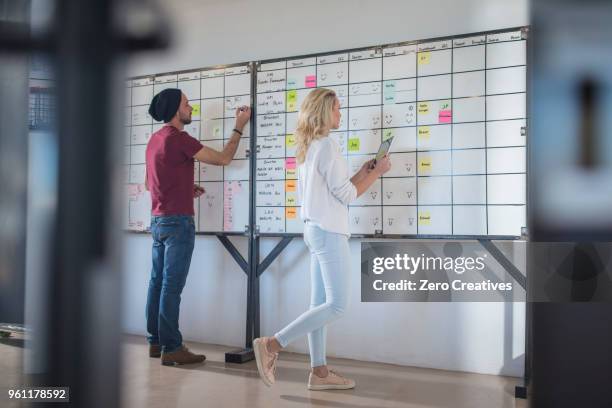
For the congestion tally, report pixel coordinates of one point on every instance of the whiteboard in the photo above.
(457, 111)
(456, 107)
(214, 95)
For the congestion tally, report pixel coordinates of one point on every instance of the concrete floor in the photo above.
(148, 384)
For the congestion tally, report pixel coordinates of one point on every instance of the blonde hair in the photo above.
(314, 120)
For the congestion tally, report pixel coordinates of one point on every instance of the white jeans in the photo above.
(330, 282)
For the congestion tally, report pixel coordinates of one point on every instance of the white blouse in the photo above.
(325, 188)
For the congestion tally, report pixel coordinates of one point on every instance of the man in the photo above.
(169, 177)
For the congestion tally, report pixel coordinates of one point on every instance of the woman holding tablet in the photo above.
(325, 190)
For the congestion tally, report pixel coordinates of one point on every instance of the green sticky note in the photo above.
(291, 101)
(387, 133)
(353, 144)
(195, 109)
(389, 91)
(291, 96)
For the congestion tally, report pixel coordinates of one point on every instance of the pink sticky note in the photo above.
(311, 81)
(290, 163)
(445, 116)
(228, 197)
(133, 191)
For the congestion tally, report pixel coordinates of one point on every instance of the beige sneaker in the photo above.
(266, 361)
(333, 381)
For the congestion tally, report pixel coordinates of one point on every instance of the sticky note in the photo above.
(217, 131)
(445, 116)
(290, 140)
(133, 192)
(424, 133)
(291, 174)
(387, 133)
(290, 186)
(310, 81)
(424, 57)
(196, 109)
(292, 96)
(291, 213)
(353, 144)
(424, 218)
(423, 108)
(291, 101)
(425, 164)
(290, 200)
(290, 163)
(291, 83)
(444, 119)
(389, 92)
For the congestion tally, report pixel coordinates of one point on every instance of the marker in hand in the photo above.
(198, 191)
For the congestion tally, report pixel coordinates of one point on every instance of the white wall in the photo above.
(475, 337)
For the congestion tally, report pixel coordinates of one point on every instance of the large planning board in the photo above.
(214, 95)
(456, 108)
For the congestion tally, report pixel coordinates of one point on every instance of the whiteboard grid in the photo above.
(452, 98)
(388, 182)
(138, 214)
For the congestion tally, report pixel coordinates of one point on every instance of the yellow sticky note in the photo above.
(424, 58)
(387, 133)
(290, 185)
(196, 109)
(291, 101)
(423, 108)
(290, 201)
(353, 144)
(425, 164)
(290, 140)
(291, 174)
(424, 132)
(424, 218)
(291, 213)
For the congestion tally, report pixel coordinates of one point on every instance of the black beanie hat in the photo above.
(165, 104)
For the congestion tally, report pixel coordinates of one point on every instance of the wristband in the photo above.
(237, 131)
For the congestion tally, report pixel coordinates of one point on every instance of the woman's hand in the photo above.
(383, 165)
(367, 166)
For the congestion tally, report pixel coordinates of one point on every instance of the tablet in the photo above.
(384, 148)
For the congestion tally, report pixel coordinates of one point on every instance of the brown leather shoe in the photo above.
(154, 350)
(181, 356)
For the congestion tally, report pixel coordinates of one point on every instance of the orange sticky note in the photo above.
(290, 185)
(291, 213)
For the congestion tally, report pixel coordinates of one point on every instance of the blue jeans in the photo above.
(173, 241)
(330, 281)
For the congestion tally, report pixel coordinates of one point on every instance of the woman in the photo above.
(326, 190)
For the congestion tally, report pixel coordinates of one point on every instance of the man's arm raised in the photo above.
(225, 157)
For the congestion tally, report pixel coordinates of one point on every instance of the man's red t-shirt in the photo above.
(170, 167)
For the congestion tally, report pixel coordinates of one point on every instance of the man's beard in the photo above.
(186, 121)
